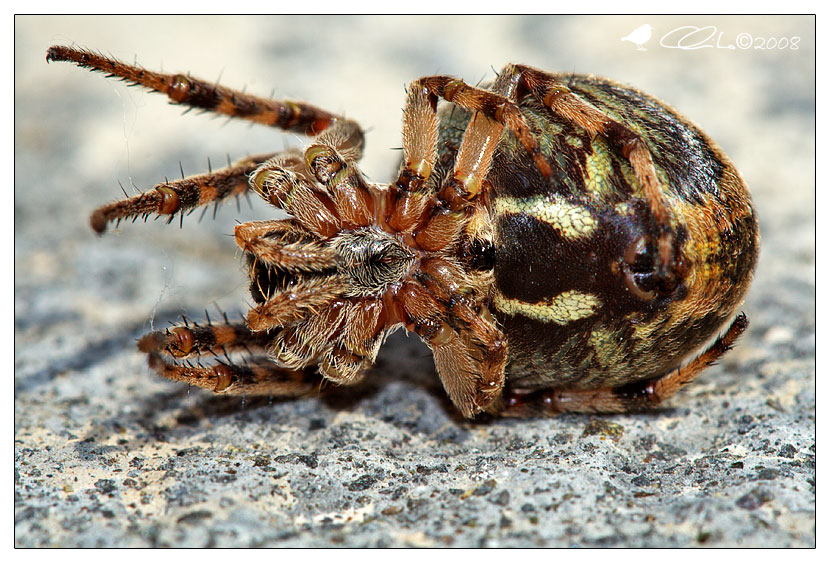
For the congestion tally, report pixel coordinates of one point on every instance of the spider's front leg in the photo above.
(189, 91)
(185, 195)
(180, 196)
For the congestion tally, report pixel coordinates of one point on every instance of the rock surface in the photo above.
(107, 454)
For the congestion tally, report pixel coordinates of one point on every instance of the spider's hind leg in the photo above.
(634, 397)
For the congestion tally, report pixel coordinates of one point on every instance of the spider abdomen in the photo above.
(579, 286)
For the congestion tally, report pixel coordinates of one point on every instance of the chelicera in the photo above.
(562, 243)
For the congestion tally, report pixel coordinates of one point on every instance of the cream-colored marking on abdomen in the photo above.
(566, 307)
(609, 349)
(571, 220)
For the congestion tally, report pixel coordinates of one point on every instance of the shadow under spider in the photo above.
(402, 360)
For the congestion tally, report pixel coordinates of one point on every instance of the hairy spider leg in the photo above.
(498, 108)
(634, 397)
(438, 303)
(322, 186)
(285, 183)
(181, 196)
(192, 340)
(409, 196)
(294, 303)
(182, 89)
(553, 92)
(332, 161)
(470, 351)
(456, 361)
(256, 376)
(284, 245)
(334, 339)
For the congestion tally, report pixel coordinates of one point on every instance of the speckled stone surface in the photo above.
(107, 454)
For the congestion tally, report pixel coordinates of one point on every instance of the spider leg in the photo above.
(409, 196)
(285, 306)
(256, 376)
(420, 136)
(411, 204)
(331, 160)
(180, 196)
(284, 245)
(551, 91)
(284, 182)
(340, 335)
(194, 340)
(357, 347)
(500, 112)
(183, 89)
(638, 396)
(456, 367)
(487, 345)
(441, 218)
(334, 340)
(470, 351)
(322, 187)
(344, 136)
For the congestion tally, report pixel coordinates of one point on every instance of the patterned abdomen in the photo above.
(562, 246)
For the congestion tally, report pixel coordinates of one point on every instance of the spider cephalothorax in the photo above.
(569, 251)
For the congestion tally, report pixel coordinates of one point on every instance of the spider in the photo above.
(562, 243)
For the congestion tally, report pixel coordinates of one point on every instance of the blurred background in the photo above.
(80, 300)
